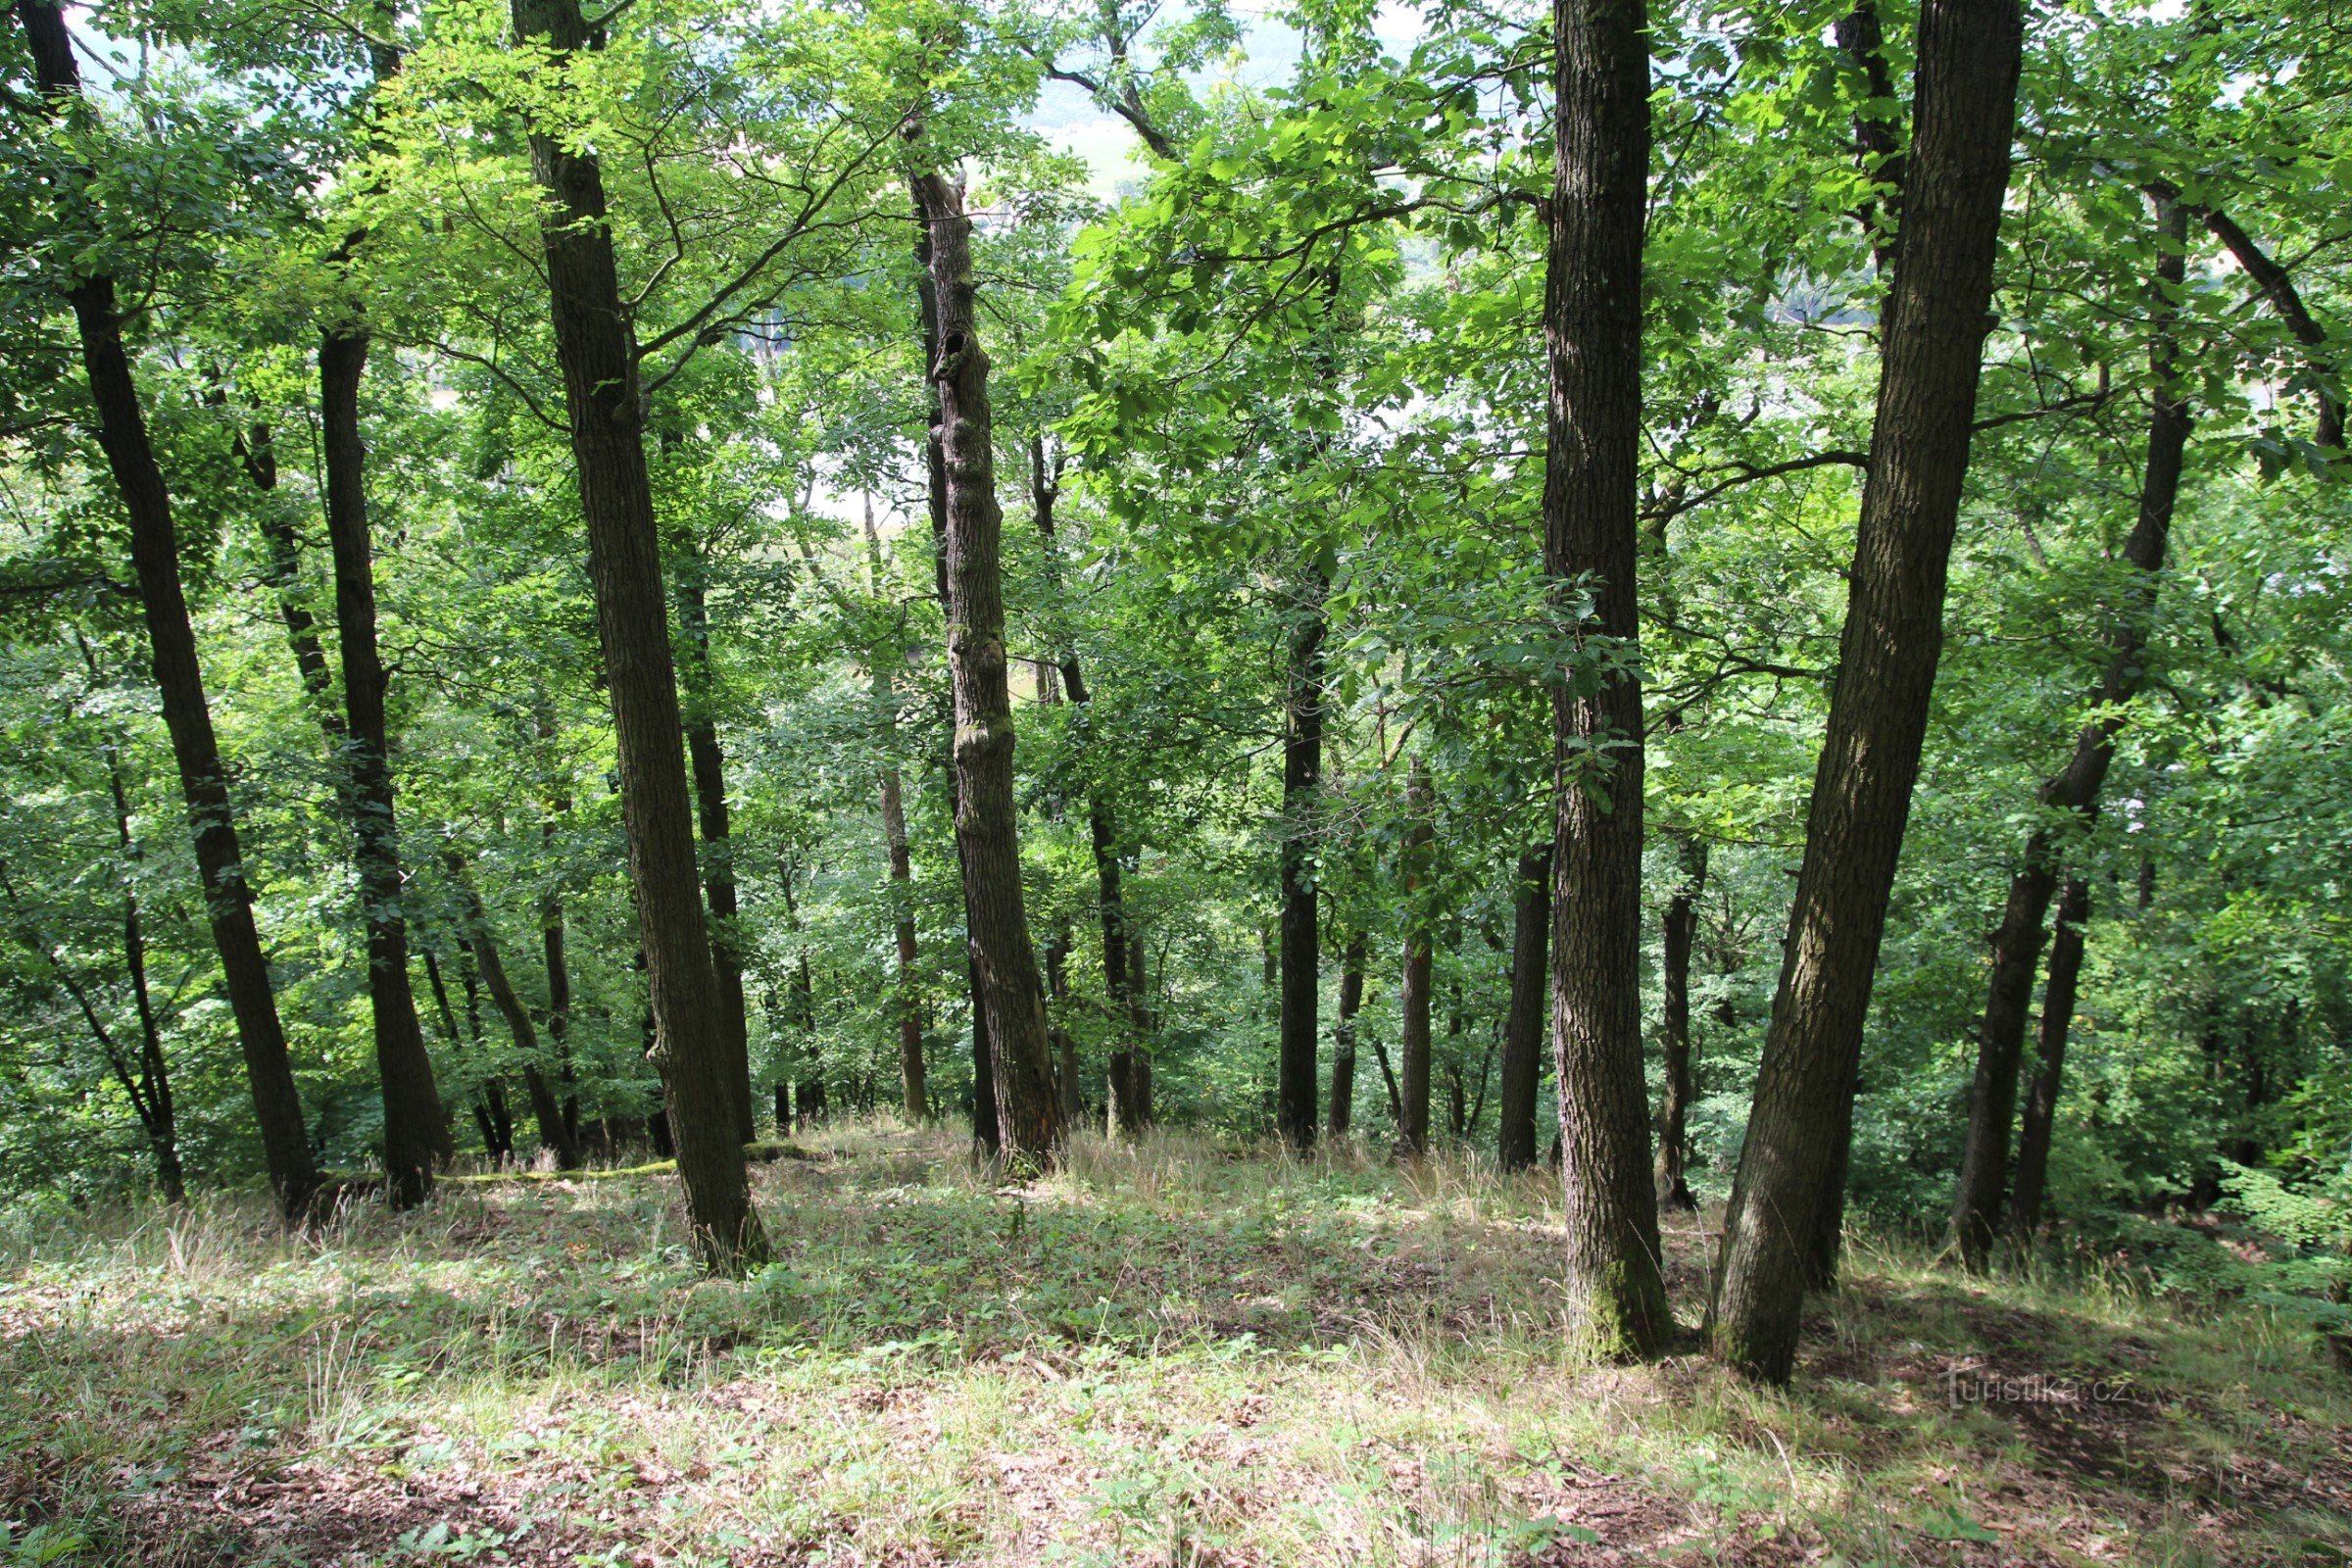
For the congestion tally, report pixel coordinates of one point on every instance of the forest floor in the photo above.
(1176, 1354)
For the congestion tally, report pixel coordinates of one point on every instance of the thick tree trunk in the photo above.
(1342, 1035)
(2017, 942)
(2042, 1104)
(554, 1131)
(1028, 1112)
(415, 1126)
(172, 650)
(1412, 991)
(1301, 947)
(1964, 101)
(1523, 1026)
(593, 340)
(1592, 331)
(709, 763)
(1674, 1032)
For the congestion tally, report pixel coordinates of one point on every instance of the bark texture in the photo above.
(1522, 1026)
(2057, 1019)
(415, 1126)
(1593, 334)
(596, 346)
(1012, 1000)
(1963, 110)
(2017, 942)
(171, 653)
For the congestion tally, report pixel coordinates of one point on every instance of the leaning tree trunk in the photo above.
(416, 1127)
(178, 678)
(1299, 945)
(1965, 102)
(709, 767)
(554, 1131)
(1412, 1096)
(1342, 1035)
(2016, 941)
(1028, 1112)
(1592, 331)
(2042, 1104)
(1674, 1114)
(594, 342)
(1523, 1026)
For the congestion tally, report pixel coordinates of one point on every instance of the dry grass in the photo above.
(1172, 1353)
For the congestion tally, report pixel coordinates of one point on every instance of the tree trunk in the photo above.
(553, 1132)
(594, 342)
(257, 451)
(172, 648)
(2042, 1104)
(1592, 331)
(1681, 927)
(2279, 289)
(1522, 1026)
(1028, 1112)
(710, 769)
(1412, 991)
(1301, 947)
(1964, 101)
(1342, 1035)
(2017, 942)
(415, 1126)
(915, 1095)
(158, 1112)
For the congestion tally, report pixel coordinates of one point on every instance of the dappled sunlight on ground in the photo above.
(1179, 1352)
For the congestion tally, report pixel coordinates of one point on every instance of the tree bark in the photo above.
(1964, 101)
(1412, 991)
(1682, 928)
(1592, 331)
(2042, 1104)
(2016, 941)
(709, 765)
(595, 344)
(1028, 1112)
(1300, 949)
(415, 1126)
(1342, 1035)
(172, 648)
(1523, 1026)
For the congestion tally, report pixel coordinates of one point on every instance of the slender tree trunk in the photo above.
(554, 1131)
(1342, 1035)
(415, 1126)
(709, 765)
(257, 451)
(489, 1107)
(1028, 1112)
(2016, 941)
(2042, 1104)
(1592, 329)
(1522, 1026)
(159, 1115)
(985, 1131)
(1412, 991)
(172, 648)
(551, 942)
(1682, 928)
(1965, 100)
(2279, 289)
(593, 340)
(1302, 808)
